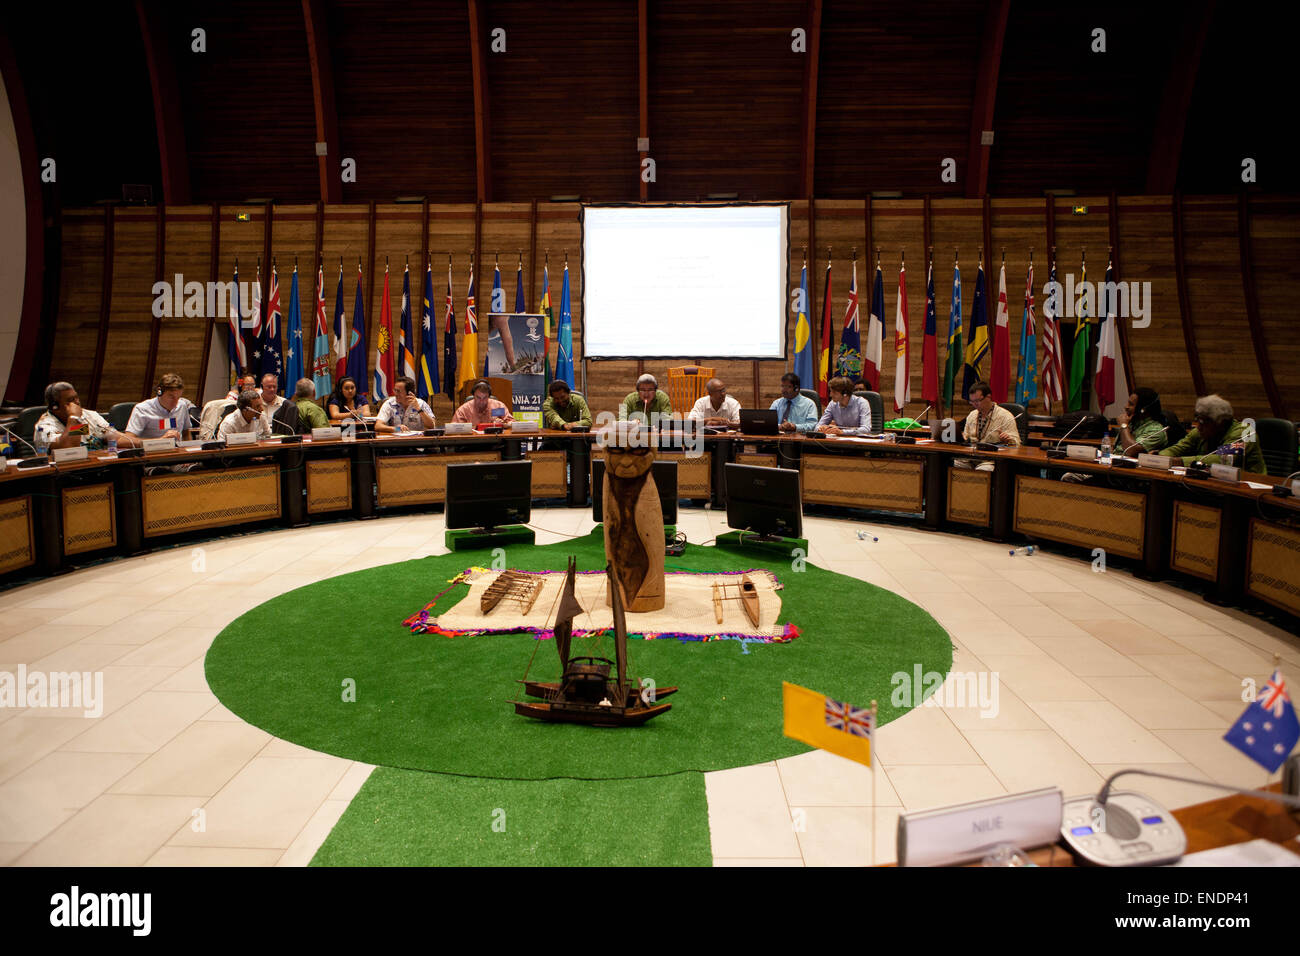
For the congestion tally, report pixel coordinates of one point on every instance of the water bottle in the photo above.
(112, 443)
(1105, 448)
(39, 444)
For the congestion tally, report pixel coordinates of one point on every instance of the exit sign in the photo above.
(1079, 210)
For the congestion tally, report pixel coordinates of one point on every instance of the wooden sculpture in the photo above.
(634, 527)
(745, 592)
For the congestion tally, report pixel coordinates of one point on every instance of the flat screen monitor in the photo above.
(765, 501)
(759, 421)
(665, 475)
(489, 494)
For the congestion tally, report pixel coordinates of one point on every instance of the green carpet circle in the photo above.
(330, 666)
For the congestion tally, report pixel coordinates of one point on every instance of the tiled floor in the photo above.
(1094, 672)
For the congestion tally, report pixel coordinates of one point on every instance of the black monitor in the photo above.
(765, 501)
(489, 494)
(665, 475)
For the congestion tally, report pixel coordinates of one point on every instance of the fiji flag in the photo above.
(1268, 729)
(321, 375)
(803, 359)
(428, 386)
(1027, 372)
(357, 342)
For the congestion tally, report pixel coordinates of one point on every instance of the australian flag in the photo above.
(1267, 730)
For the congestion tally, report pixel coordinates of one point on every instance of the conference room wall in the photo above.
(1216, 309)
(293, 234)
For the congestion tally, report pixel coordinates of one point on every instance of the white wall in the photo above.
(13, 239)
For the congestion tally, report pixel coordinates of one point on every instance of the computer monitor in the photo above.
(765, 501)
(759, 421)
(489, 494)
(665, 475)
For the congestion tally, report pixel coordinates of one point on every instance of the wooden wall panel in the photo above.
(1218, 307)
(188, 241)
(135, 244)
(1275, 248)
(1159, 351)
(81, 286)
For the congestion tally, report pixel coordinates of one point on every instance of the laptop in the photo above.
(758, 421)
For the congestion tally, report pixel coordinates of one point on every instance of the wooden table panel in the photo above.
(1273, 564)
(420, 479)
(329, 485)
(1084, 515)
(209, 499)
(694, 473)
(550, 473)
(89, 519)
(17, 545)
(883, 484)
(1195, 546)
(969, 496)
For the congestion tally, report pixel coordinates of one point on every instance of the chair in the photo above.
(120, 415)
(816, 399)
(877, 411)
(1277, 440)
(686, 385)
(502, 391)
(286, 420)
(25, 426)
(1022, 419)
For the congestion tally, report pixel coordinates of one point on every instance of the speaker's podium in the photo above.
(767, 505)
(488, 505)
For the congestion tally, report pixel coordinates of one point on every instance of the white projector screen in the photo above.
(671, 281)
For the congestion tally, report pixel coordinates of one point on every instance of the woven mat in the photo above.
(688, 612)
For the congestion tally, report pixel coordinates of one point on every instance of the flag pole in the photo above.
(1277, 666)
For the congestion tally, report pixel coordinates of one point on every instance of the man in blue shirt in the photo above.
(794, 412)
(846, 413)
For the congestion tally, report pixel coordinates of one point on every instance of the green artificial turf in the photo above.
(428, 702)
(407, 818)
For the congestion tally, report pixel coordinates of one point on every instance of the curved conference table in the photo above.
(1241, 543)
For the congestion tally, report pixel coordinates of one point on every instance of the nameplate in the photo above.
(192, 444)
(524, 428)
(158, 444)
(241, 438)
(75, 453)
(1226, 473)
(327, 434)
(458, 428)
(1081, 452)
(1163, 462)
(968, 831)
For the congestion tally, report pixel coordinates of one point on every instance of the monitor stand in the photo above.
(470, 539)
(768, 545)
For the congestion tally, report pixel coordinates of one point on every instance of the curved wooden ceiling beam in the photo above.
(814, 38)
(322, 87)
(478, 66)
(1176, 102)
(172, 156)
(986, 92)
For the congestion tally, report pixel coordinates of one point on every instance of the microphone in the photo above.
(17, 437)
(291, 436)
(906, 439)
(1056, 452)
(1138, 444)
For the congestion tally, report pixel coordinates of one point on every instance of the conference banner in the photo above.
(515, 352)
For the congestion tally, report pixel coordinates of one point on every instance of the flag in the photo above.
(1267, 730)
(341, 333)
(1000, 372)
(824, 354)
(519, 288)
(1079, 357)
(272, 363)
(321, 376)
(930, 344)
(871, 354)
(564, 335)
(449, 342)
(465, 371)
(828, 724)
(848, 362)
(357, 344)
(803, 360)
(954, 357)
(1027, 366)
(546, 327)
(384, 376)
(1110, 387)
(498, 299)
(407, 343)
(293, 351)
(902, 370)
(237, 348)
(1053, 361)
(259, 331)
(977, 345)
(428, 386)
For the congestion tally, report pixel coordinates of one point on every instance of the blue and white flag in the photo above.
(1267, 730)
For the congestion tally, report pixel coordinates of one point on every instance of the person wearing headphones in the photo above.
(405, 411)
(247, 418)
(482, 408)
(166, 415)
(66, 424)
(1142, 425)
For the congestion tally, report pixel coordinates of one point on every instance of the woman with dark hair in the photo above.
(1142, 426)
(343, 404)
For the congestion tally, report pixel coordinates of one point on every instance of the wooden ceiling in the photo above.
(895, 91)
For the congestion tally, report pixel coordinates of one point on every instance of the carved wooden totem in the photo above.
(634, 527)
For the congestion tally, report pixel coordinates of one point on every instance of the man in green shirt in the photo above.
(645, 401)
(310, 415)
(1214, 431)
(563, 410)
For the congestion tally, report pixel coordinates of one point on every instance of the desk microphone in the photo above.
(1056, 452)
(14, 435)
(906, 439)
(1138, 444)
(292, 438)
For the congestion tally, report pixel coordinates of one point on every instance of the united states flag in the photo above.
(1053, 361)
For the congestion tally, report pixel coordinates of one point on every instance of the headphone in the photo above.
(482, 383)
